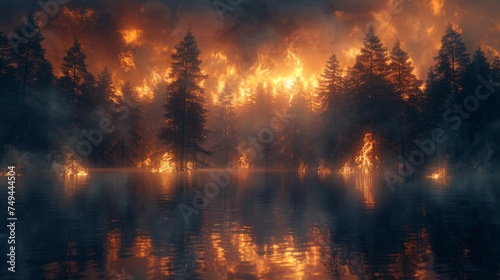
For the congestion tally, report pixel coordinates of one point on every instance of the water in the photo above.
(275, 225)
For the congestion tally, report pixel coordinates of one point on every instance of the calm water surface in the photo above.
(274, 225)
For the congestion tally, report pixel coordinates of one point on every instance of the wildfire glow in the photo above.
(222, 68)
(127, 61)
(438, 175)
(346, 169)
(352, 52)
(73, 168)
(437, 6)
(166, 164)
(323, 170)
(365, 159)
(131, 36)
(243, 162)
(302, 168)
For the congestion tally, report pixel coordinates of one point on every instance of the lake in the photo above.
(128, 224)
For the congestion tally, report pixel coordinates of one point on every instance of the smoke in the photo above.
(256, 32)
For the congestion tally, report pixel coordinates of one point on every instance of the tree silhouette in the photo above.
(295, 146)
(407, 87)
(184, 129)
(75, 81)
(128, 138)
(34, 73)
(452, 60)
(225, 131)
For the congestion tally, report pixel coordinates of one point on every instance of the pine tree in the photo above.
(97, 105)
(129, 139)
(8, 89)
(296, 138)
(225, 130)
(474, 135)
(495, 66)
(76, 80)
(407, 88)
(257, 113)
(452, 60)
(375, 102)
(184, 129)
(35, 75)
(332, 118)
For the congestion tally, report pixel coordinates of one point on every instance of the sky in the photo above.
(282, 39)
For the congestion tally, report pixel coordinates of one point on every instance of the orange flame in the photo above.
(131, 36)
(243, 162)
(166, 164)
(127, 60)
(73, 168)
(323, 169)
(302, 168)
(346, 169)
(440, 174)
(365, 159)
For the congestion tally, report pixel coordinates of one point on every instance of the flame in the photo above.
(127, 60)
(302, 168)
(131, 36)
(440, 174)
(166, 164)
(222, 68)
(78, 16)
(73, 168)
(437, 6)
(346, 169)
(145, 91)
(352, 52)
(323, 170)
(365, 159)
(243, 162)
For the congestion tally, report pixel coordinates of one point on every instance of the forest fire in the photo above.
(439, 174)
(131, 36)
(346, 169)
(231, 139)
(365, 160)
(302, 169)
(243, 162)
(323, 169)
(165, 164)
(73, 168)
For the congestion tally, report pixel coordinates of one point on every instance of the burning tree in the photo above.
(185, 115)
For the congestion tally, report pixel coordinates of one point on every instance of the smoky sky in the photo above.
(256, 32)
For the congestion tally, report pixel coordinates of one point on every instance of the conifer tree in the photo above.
(129, 140)
(407, 87)
(225, 130)
(185, 116)
(76, 81)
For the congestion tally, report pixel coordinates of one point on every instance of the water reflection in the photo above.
(264, 225)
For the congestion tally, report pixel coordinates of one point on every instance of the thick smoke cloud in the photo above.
(257, 32)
